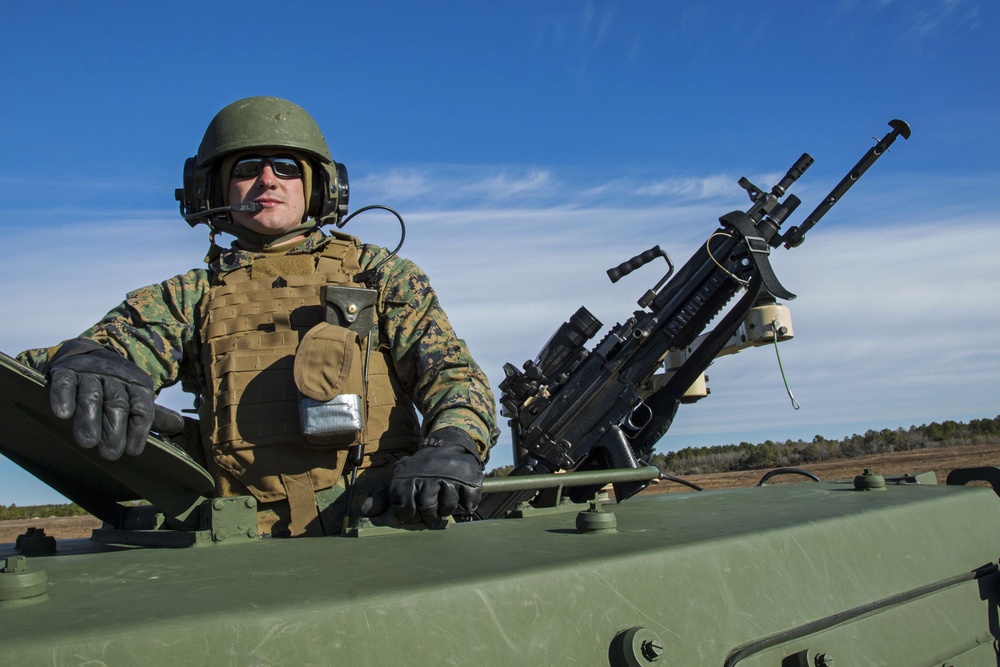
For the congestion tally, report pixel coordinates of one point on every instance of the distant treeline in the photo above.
(770, 454)
(39, 511)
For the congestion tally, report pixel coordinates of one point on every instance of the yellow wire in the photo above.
(729, 273)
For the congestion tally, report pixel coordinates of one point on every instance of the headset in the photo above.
(200, 200)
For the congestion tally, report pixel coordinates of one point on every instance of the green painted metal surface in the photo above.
(872, 578)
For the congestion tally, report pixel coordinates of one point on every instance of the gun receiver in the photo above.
(577, 409)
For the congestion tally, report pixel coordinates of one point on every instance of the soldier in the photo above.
(297, 391)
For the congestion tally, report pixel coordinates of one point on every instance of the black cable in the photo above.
(366, 275)
(787, 471)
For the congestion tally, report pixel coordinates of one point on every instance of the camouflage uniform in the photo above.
(159, 328)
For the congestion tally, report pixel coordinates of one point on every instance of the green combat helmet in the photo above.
(256, 123)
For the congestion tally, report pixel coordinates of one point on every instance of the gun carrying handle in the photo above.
(636, 262)
(640, 260)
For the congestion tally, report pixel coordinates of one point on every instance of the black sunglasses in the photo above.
(283, 166)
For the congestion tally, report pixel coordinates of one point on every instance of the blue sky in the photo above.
(530, 146)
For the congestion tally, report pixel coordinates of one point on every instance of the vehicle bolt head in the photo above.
(652, 650)
(595, 520)
(823, 660)
(869, 480)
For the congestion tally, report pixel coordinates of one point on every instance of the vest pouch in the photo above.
(329, 374)
(351, 307)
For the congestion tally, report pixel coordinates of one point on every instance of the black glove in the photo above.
(442, 477)
(108, 396)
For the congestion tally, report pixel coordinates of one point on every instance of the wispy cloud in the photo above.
(930, 19)
(458, 185)
(454, 187)
(698, 188)
(596, 22)
(582, 36)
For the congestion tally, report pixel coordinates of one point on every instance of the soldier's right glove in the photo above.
(444, 476)
(109, 398)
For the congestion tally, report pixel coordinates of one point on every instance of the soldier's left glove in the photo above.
(444, 476)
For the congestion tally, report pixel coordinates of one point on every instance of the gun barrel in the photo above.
(793, 174)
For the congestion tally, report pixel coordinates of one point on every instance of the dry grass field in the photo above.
(941, 461)
(56, 526)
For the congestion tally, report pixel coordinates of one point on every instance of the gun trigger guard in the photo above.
(759, 252)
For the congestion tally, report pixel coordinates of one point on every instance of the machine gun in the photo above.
(606, 408)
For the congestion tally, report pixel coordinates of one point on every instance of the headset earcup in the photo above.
(343, 190)
(194, 196)
(330, 194)
(186, 194)
(317, 198)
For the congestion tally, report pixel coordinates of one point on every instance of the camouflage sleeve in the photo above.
(37, 357)
(447, 386)
(155, 327)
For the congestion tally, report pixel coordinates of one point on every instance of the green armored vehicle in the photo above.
(866, 571)
(871, 571)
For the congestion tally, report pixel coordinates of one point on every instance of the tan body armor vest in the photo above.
(254, 320)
